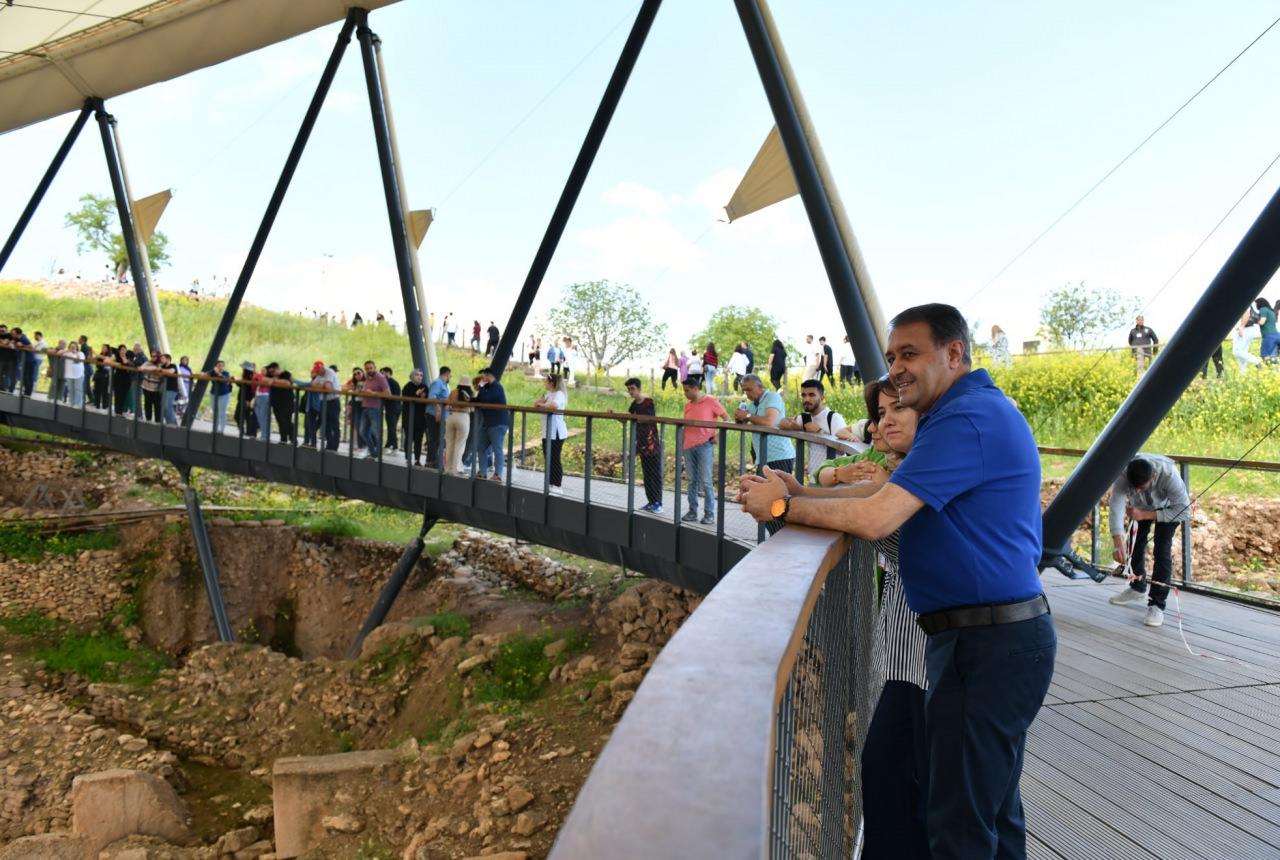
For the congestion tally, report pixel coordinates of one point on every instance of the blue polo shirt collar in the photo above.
(972, 380)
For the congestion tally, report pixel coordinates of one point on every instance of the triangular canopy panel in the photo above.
(54, 57)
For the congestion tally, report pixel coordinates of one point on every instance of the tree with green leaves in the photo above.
(611, 323)
(95, 226)
(1076, 316)
(734, 324)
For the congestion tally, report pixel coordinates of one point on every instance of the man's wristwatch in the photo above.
(780, 508)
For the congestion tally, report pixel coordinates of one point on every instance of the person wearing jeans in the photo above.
(495, 424)
(262, 400)
(1152, 493)
(371, 409)
(221, 397)
(697, 448)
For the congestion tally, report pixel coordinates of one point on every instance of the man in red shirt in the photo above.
(698, 449)
(371, 409)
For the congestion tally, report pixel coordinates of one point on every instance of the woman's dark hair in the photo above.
(711, 348)
(945, 322)
(871, 394)
(1261, 303)
(777, 344)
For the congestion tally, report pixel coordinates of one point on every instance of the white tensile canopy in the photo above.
(768, 180)
(56, 53)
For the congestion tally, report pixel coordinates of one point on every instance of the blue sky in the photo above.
(956, 132)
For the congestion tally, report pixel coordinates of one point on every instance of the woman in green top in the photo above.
(1270, 339)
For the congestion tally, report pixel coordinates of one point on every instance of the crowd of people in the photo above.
(820, 364)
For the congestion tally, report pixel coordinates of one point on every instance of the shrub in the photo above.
(447, 624)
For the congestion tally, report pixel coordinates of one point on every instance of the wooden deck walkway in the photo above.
(1145, 751)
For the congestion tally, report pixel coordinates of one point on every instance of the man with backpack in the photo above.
(815, 417)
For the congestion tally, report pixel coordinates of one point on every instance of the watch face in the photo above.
(779, 507)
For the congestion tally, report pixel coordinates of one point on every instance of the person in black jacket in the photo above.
(282, 406)
(392, 410)
(246, 418)
(415, 422)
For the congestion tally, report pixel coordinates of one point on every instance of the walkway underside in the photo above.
(688, 556)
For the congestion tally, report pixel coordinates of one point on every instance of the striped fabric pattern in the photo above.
(902, 641)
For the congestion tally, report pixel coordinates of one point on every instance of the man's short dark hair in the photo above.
(693, 380)
(945, 322)
(385, 370)
(630, 382)
(1138, 472)
(488, 370)
(813, 383)
(444, 370)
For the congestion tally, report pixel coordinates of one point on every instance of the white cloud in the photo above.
(633, 195)
(635, 242)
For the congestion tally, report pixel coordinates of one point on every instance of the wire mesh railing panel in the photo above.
(823, 717)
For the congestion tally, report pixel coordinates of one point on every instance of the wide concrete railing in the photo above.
(742, 740)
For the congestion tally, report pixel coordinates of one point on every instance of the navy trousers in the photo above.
(986, 685)
(895, 777)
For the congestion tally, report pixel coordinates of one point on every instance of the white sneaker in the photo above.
(556, 491)
(1129, 595)
(1155, 616)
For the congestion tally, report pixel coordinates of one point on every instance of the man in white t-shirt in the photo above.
(737, 367)
(812, 358)
(848, 364)
(816, 418)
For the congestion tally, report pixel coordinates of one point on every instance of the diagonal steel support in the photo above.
(124, 208)
(392, 182)
(423, 320)
(269, 217)
(204, 551)
(573, 186)
(1245, 274)
(838, 258)
(390, 591)
(45, 181)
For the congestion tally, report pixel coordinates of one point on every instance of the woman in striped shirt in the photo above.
(895, 766)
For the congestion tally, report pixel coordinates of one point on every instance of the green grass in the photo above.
(24, 543)
(100, 655)
(30, 624)
(519, 669)
(447, 624)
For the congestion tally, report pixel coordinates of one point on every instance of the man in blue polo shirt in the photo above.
(967, 500)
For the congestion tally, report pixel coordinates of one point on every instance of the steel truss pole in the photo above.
(1245, 274)
(390, 591)
(124, 207)
(392, 188)
(204, 551)
(269, 217)
(573, 186)
(818, 205)
(152, 295)
(420, 290)
(54, 166)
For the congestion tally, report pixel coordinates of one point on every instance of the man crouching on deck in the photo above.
(967, 499)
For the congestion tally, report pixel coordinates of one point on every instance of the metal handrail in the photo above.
(714, 694)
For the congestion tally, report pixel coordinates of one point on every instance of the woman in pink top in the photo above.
(699, 450)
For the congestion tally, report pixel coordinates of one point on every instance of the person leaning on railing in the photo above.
(967, 499)
(457, 427)
(554, 431)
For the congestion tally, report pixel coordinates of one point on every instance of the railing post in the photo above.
(722, 445)
(1095, 549)
(679, 474)
(1184, 469)
(586, 482)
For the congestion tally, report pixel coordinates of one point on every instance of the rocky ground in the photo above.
(496, 680)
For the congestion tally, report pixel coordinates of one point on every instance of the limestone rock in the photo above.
(518, 798)
(113, 804)
(50, 846)
(237, 840)
(342, 823)
(305, 788)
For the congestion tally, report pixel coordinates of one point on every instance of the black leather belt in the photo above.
(983, 616)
